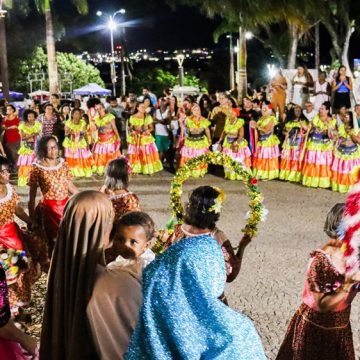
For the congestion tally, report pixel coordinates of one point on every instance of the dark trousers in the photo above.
(11, 151)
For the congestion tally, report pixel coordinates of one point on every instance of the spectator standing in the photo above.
(301, 83)
(342, 86)
(322, 90)
(278, 87)
(118, 111)
(49, 121)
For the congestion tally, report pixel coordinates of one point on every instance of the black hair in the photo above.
(136, 218)
(256, 101)
(197, 210)
(41, 149)
(112, 98)
(290, 114)
(4, 162)
(147, 97)
(327, 105)
(92, 102)
(12, 106)
(333, 220)
(117, 174)
(26, 114)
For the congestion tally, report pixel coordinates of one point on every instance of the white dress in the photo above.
(298, 95)
(321, 98)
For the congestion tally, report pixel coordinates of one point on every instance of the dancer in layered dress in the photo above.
(293, 146)
(107, 145)
(142, 151)
(235, 145)
(320, 328)
(77, 153)
(318, 158)
(266, 157)
(53, 176)
(14, 344)
(197, 140)
(11, 237)
(182, 316)
(30, 131)
(346, 156)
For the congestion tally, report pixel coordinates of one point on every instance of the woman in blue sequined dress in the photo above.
(182, 317)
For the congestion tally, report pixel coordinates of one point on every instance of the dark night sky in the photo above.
(156, 25)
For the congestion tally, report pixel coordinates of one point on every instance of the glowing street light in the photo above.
(272, 70)
(249, 35)
(112, 26)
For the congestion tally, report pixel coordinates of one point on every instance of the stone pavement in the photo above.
(270, 283)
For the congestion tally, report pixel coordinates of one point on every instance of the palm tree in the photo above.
(3, 52)
(44, 7)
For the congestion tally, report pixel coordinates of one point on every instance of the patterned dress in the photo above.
(107, 145)
(53, 183)
(77, 153)
(346, 159)
(315, 335)
(142, 151)
(11, 237)
(240, 152)
(318, 158)
(27, 150)
(290, 165)
(196, 143)
(266, 157)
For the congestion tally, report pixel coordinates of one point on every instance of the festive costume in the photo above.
(318, 158)
(107, 146)
(142, 151)
(190, 274)
(346, 158)
(266, 157)
(239, 151)
(53, 183)
(124, 203)
(9, 350)
(290, 165)
(12, 238)
(77, 153)
(316, 335)
(26, 152)
(196, 143)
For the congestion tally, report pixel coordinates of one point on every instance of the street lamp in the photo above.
(180, 59)
(112, 26)
(232, 66)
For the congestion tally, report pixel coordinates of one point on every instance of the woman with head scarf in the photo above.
(83, 234)
(182, 317)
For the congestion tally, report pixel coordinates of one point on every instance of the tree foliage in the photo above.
(81, 72)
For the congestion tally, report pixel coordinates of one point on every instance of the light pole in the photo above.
(112, 26)
(180, 59)
(232, 67)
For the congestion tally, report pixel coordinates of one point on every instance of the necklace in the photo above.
(187, 233)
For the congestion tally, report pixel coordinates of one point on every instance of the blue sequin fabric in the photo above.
(182, 318)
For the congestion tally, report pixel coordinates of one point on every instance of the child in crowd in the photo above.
(114, 306)
(320, 328)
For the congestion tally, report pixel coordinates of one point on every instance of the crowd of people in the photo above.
(120, 300)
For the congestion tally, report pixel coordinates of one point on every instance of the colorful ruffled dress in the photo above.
(318, 158)
(107, 145)
(195, 144)
(266, 157)
(142, 151)
(346, 159)
(242, 152)
(76, 150)
(290, 165)
(27, 153)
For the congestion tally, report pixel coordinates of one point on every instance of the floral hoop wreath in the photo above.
(257, 210)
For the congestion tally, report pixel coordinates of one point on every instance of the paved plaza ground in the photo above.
(270, 284)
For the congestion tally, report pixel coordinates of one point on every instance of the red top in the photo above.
(11, 135)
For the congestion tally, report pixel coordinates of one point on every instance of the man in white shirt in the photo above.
(162, 120)
(309, 111)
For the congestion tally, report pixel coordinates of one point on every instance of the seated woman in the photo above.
(53, 176)
(14, 344)
(119, 286)
(83, 234)
(320, 328)
(181, 316)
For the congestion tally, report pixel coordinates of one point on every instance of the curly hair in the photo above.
(197, 210)
(41, 149)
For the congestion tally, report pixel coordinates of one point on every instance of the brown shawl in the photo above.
(79, 248)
